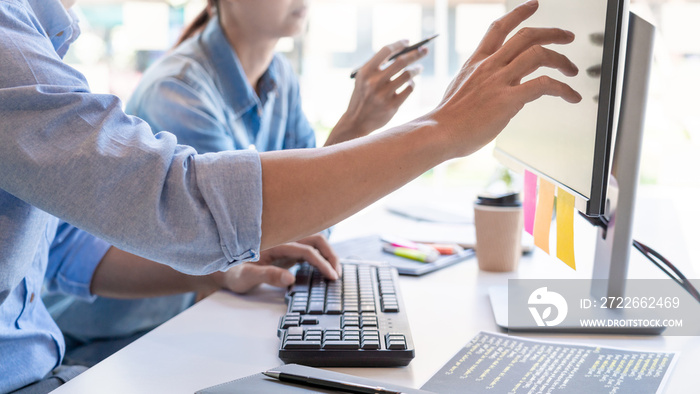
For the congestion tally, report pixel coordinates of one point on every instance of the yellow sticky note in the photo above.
(543, 214)
(565, 228)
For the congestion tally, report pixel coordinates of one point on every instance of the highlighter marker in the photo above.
(446, 249)
(404, 243)
(412, 254)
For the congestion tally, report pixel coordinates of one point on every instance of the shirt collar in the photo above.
(60, 25)
(235, 88)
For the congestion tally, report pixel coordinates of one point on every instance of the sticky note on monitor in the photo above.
(543, 215)
(565, 228)
(529, 201)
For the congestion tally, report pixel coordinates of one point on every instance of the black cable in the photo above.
(656, 258)
(653, 256)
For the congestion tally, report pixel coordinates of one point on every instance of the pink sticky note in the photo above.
(530, 201)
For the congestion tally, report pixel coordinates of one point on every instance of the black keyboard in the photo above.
(355, 321)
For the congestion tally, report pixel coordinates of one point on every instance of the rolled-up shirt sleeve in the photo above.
(78, 156)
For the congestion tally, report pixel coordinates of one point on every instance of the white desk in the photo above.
(228, 336)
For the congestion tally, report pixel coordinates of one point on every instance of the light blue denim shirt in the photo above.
(200, 93)
(68, 153)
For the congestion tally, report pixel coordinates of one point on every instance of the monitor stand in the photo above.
(613, 243)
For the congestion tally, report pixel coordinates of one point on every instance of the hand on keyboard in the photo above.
(273, 266)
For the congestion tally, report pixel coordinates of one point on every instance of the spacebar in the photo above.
(341, 345)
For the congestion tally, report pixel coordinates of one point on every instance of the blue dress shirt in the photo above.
(68, 153)
(200, 93)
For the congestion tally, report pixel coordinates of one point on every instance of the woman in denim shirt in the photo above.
(223, 87)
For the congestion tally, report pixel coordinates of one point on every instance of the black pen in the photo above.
(328, 383)
(401, 52)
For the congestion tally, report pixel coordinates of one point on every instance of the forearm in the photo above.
(124, 275)
(307, 191)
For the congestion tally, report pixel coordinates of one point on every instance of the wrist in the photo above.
(347, 128)
(211, 283)
(437, 139)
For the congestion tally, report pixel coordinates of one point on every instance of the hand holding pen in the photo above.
(407, 49)
(381, 86)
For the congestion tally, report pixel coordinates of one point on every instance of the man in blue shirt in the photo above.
(67, 259)
(68, 153)
(223, 87)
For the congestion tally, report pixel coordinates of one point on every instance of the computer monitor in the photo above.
(570, 145)
(590, 149)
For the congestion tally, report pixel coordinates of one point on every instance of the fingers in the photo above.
(537, 57)
(404, 60)
(375, 64)
(403, 95)
(297, 252)
(380, 57)
(314, 249)
(406, 77)
(320, 243)
(529, 37)
(247, 276)
(544, 85)
(499, 29)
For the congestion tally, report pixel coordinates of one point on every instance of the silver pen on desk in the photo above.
(329, 383)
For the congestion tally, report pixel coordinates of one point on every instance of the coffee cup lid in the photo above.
(511, 199)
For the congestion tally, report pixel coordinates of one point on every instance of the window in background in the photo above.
(395, 21)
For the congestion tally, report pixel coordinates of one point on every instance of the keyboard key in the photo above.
(367, 308)
(370, 333)
(346, 344)
(315, 307)
(347, 321)
(314, 332)
(369, 321)
(370, 344)
(291, 320)
(334, 308)
(301, 345)
(295, 331)
(395, 341)
(309, 320)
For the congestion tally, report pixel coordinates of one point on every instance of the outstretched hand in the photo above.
(380, 90)
(273, 266)
(488, 91)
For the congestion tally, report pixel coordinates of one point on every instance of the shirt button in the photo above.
(59, 34)
(31, 298)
